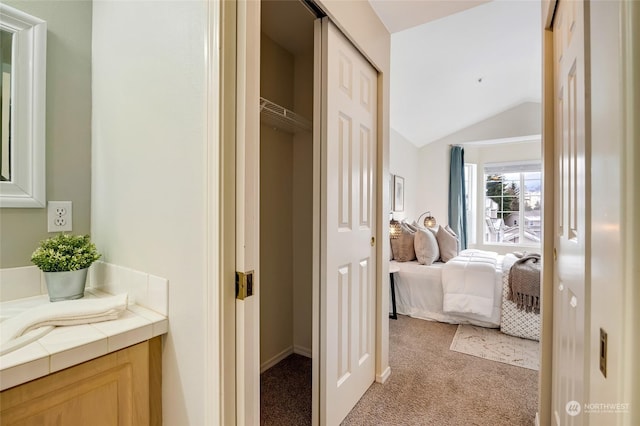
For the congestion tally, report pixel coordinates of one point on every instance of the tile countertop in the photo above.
(65, 347)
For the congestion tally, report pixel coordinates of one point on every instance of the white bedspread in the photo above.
(419, 295)
(469, 282)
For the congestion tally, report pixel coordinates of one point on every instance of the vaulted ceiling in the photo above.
(455, 63)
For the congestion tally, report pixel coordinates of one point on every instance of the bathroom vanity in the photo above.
(120, 388)
(105, 373)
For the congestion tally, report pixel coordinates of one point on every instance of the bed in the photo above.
(420, 294)
(514, 321)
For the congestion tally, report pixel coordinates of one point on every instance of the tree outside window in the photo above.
(507, 188)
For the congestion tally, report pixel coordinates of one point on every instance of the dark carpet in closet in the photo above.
(285, 393)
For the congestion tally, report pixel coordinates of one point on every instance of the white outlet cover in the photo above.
(59, 216)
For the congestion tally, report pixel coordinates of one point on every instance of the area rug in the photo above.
(491, 344)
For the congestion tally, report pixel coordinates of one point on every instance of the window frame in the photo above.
(521, 168)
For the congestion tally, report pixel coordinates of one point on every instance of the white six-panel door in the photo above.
(570, 350)
(348, 196)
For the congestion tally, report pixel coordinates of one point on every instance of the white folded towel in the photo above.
(46, 317)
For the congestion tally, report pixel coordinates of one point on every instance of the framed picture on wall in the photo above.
(398, 193)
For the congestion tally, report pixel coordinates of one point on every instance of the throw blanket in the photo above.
(524, 283)
(34, 323)
(468, 282)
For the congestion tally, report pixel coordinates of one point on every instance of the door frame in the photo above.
(219, 151)
(225, 359)
(247, 209)
(239, 35)
(549, 181)
(629, 385)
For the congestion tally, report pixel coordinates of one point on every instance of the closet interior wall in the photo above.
(286, 167)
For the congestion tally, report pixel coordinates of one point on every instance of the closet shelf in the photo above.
(282, 118)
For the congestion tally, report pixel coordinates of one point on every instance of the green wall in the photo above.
(68, 132)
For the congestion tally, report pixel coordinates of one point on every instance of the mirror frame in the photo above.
(27, 187)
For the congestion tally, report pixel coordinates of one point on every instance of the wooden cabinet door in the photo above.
(110, 390)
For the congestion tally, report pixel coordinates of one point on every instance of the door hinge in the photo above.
(244, 284)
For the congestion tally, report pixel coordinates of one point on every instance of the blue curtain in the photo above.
(457, 202)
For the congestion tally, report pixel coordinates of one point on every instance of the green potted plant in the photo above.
(65, 260)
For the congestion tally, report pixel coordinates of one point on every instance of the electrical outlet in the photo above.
(59, 216)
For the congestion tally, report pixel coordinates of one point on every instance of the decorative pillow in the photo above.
(402, 247)
(411, 226)
(417, 225)
(452, 232)
(426, 246)
(448, 243)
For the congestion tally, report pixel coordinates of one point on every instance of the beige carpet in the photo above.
(429, 385)
(432, 385)
(490, 343)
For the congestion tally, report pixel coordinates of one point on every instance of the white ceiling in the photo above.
(398, 15)
(436, 67)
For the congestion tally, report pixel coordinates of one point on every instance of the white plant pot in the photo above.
(66, 285)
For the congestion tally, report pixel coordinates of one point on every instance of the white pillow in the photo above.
(411, 226)
(452, 232)
(417, 225)
(448, 244)
(426, 246)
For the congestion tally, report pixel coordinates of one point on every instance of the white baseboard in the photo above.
(537, 419)
(276, 359)
(381, 378)
(300, 350)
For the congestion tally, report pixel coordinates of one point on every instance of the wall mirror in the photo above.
(22, 139)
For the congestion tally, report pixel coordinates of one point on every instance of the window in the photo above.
(512, 212)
